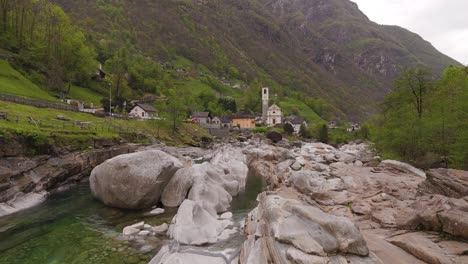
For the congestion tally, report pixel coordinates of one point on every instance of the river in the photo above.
(72, 227)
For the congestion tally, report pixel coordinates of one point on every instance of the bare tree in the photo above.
(418, 81)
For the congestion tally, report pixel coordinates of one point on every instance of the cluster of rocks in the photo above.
(203, 192)
(329, 205)
(323, 204)
(143, 230)
(145, 238)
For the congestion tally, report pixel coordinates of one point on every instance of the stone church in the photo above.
(271, 115)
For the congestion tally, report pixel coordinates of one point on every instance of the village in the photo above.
(271, 116)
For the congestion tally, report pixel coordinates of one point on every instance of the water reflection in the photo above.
(72, 227)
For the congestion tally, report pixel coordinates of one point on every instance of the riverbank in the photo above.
(27, 181)
(318, 204)
(336, 205)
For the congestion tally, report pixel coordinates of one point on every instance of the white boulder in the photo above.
(133, 181)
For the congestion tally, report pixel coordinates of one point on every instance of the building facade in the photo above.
(296, 122)
(201, 118)
(244, 121)
(143, 111)
(275, 116)
(271, 115)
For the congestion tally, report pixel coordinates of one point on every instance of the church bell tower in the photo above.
(265, 102)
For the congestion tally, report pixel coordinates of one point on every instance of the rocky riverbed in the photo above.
(27, 181)
(321, 205)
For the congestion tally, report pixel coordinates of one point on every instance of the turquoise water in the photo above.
(74, 228)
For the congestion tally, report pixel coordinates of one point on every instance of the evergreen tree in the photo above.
(323, 134)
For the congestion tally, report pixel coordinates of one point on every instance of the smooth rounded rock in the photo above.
(133, 181)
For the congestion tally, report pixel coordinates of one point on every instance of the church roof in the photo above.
(274, 106)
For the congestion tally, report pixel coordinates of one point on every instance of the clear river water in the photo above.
(74, 228)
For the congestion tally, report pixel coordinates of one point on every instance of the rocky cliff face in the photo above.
(26, 181)
(327, 49)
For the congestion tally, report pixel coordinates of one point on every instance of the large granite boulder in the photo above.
(274, 136)
(177, 189)
(421, 246)
(193, 225)
(191, 255)
(451, 183)
(284, 228)
(133, 181)
(455, 222)
(402, 167)
(234, 164)
(210, 189)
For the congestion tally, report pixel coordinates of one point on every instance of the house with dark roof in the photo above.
(100, 74)
(201, 118)
(353, 127)
(143, 111)
(226, 121)
(296, 122)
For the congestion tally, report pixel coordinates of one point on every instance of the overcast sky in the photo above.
(444, 23)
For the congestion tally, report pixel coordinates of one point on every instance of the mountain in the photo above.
(324, 49)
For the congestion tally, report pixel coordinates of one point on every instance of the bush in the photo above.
(288, 129)
(260, 130)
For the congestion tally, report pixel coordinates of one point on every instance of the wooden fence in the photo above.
(69, 126)
(37, 103)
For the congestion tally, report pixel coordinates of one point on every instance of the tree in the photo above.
(5, 8)
(288, 129)
(423, 118)
(118, 66)
(228, 104)
(418, 82)
(323, 134)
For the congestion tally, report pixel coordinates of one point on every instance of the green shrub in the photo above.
(260, 130)
(288, 129)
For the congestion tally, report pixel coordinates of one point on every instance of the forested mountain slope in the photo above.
(326, 49)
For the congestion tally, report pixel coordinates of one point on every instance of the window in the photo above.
(274, 121)
(264, 91)
(143, 114)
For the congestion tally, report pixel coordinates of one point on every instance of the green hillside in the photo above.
(86, 95)
(14, 83)
(215, 55)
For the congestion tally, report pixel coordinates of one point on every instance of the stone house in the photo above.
(332, 124)
(243, 121)
(143, 111)
(100, 74)
(296, 122)
(353, 127)
(226, 122)
(216, 122)
(201, 118)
